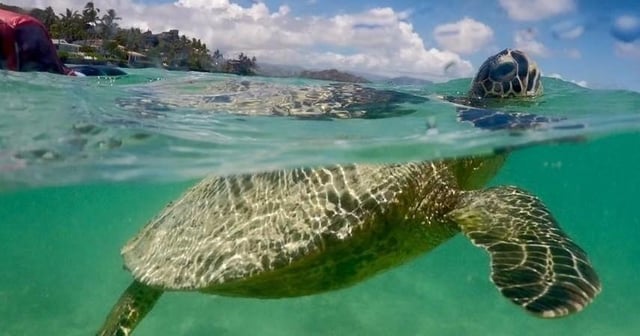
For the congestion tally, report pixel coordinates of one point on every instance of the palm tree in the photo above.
(109, 24)
(47, 16)
(91, 19)
(217, 54)
(71, 27)
(131, 39)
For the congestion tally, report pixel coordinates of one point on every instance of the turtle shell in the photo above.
(229, 229)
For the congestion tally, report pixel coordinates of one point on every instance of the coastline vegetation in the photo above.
(100, 39)
(93, 36)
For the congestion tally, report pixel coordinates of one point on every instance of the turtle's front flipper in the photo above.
(533, 262)
(136, 301)
(497, 120)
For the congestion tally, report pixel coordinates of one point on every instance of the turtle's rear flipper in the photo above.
(533, 262)
(136, 301)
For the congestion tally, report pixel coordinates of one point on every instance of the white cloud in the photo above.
(379, 40)
(568, 30)
(534, 10)
(630, 49)
(626, 28)
(627, 22)
(465, 36)
(573, 53)
(573, 33)
(556, 75)
(526, 40)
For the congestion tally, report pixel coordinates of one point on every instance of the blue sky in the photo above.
(595, 43)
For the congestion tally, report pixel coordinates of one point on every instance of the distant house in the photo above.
(171, 35)
(73, 49)
(150, 40)
(136, 57)
(94, 43)
(63, 45)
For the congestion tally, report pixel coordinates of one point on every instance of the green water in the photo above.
(156, 126)
(61, 269)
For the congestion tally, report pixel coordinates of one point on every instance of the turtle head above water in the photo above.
(509, 73)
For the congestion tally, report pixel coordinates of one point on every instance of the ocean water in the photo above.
(86, 162)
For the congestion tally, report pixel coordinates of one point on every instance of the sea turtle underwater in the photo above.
(297, 232)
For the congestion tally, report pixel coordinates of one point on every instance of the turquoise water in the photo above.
(65, 215)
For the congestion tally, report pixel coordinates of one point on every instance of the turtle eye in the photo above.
(503, 72)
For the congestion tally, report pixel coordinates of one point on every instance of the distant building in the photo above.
(63, 45)
(73, 49)
(171, 35)
(95, 43)
(136, 57)
(150, 40)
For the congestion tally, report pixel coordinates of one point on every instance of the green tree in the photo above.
(91, 20)
(243, 65)
(90, 13)
(131, 39)
(47, 16)
(109, 24)
(167, 48)
(217, 58)
(114, 51)
(70, 26)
